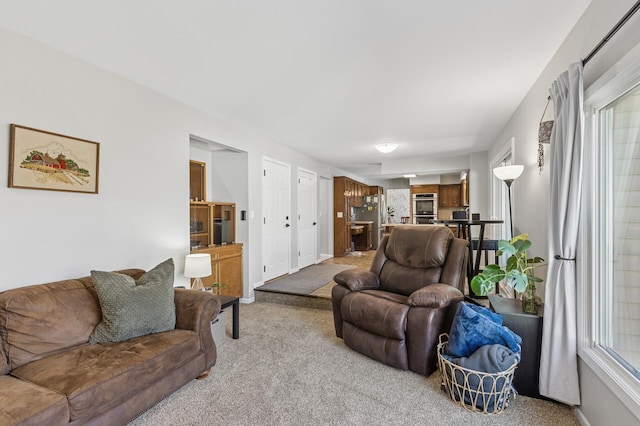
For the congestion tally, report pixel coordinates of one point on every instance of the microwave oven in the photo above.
(425, 204)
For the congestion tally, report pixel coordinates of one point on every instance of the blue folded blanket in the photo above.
(488, 359)
(475, 326)
(482, 393)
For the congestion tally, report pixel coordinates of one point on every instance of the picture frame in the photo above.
(44, 160)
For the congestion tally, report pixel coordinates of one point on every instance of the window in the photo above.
(619, 287)
(609, 274)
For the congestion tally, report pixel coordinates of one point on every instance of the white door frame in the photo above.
(499, 189)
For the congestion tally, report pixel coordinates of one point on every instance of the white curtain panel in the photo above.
(559, 358)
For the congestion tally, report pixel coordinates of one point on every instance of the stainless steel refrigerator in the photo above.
(375, 212)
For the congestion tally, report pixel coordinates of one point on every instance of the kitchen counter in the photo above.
(357, 229)
(393, 225)
(361, 234)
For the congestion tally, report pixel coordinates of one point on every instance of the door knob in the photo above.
(314, 224)
(287, 225)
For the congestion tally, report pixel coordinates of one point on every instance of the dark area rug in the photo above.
(305, 281)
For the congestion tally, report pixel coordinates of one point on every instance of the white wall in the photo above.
(531, 201)
(140, 216)
(479, 184)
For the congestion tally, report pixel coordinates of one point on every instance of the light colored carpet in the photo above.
(305, 281)
(289, 368)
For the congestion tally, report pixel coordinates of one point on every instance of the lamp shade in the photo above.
(386, 148)
(508, 173)
(197, 265)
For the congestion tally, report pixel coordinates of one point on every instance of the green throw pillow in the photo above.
(134, 308)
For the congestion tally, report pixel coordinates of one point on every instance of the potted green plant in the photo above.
(518, 272)
(390, 212)
(215, 287)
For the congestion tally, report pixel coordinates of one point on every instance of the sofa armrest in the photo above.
(194, 311)
(435, 296)
(357, 279)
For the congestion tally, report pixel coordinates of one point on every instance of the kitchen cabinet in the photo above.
(347, 193)
(424, 189)
(342, 187)
(449, 196)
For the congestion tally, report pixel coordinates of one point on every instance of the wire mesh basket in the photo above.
(487, 393)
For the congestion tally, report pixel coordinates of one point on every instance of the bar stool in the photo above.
(488, 246)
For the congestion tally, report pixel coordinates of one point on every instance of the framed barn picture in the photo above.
(50, 161)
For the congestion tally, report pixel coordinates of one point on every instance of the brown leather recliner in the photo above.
(395, 311)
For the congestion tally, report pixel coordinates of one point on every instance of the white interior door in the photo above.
(307, 218)
(276, 207)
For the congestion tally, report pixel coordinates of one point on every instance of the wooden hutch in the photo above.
(212, 229)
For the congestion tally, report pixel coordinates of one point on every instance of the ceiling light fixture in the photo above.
(386, 148)
(409, 176)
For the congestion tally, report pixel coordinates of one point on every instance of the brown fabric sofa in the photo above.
(51, 375)
(395, 311)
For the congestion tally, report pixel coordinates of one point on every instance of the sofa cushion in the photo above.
(34, 406)
(95, 378)
(133, 308)
(427, 248)
(38, 320)
(379, 312)
(4, 362)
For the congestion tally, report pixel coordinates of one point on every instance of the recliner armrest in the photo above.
(357, 279)
(435, 296)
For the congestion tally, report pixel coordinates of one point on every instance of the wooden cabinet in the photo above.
(342, 187)
(363, 238)
(347, 193)
(424, 189)
(212, 229)
(449, 196)
(197, 181)
(358, 191)
(211, 224)
(226, 268)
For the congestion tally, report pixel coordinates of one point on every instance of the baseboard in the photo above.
(324, 257)
(581, 418)
(293, 271)
(247, 299)
(258, 284)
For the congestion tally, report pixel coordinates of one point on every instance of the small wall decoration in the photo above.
(45, 160)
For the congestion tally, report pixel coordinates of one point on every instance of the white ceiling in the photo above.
(330, 78)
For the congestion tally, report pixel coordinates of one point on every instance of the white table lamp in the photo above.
(197, 266)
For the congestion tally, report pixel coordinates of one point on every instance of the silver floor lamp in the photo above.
(508, 174)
